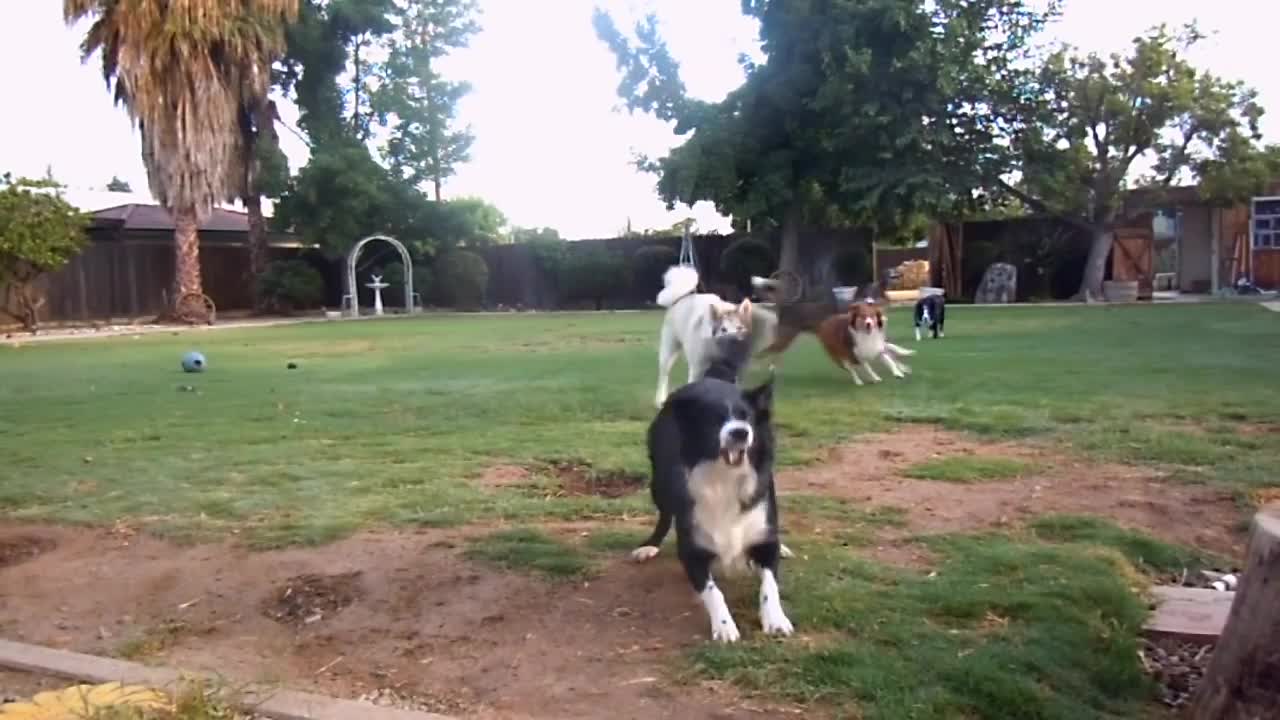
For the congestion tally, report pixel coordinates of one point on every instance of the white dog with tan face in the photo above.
(693, 322)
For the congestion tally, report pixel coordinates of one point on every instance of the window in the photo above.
(1266, 223)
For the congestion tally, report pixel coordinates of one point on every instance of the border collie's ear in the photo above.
(761, 398)
(715, 312)
(880, 318)
(744, 307)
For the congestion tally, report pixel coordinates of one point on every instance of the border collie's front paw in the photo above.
(785, 551)
(726, 632)
(644, 553)
(774, 621)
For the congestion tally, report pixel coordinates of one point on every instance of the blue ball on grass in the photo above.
(193, 362)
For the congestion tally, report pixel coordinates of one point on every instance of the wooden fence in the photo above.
(124, 279)
(516, 280)
(117, 278)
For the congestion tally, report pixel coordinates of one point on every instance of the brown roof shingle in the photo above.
(135, 216)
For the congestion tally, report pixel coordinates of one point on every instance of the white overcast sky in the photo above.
(551, 149)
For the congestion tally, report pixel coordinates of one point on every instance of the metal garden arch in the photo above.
(352, 293)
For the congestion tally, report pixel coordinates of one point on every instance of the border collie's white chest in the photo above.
(720, 524)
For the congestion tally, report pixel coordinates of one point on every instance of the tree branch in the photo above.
(1040, 206)
(1179, 154)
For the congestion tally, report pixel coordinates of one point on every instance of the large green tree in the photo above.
(880, 109)
(341, 194)
(418, 104)
(327, 67)
(472, 221)
(1092, 125)
(39, 233)
(181, 69)
(535, 235)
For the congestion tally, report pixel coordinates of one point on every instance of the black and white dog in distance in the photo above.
(931, 314)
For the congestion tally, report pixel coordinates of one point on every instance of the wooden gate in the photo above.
(1133, 258)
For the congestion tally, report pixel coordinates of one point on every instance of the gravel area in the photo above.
(1177, 667)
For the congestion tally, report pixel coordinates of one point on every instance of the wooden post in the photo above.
(84, 293)
(1243, 679)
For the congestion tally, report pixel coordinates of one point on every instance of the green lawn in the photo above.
(383, 422)
(389, 422)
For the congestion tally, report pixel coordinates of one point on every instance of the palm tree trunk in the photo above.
(186, 254)
(257, 244)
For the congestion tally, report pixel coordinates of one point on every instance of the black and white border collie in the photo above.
(931, 314)
(711, 449)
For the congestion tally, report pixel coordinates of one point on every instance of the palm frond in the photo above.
(183, 70)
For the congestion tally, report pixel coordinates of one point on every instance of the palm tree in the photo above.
(181, 69)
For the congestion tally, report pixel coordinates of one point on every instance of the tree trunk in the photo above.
(1243, 679)
(355, 87)
(436, 182)
(789, 251)
(257, 244)
(186, 254)
(1095, 267)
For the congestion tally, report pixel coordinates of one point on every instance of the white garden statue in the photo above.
(376, 285)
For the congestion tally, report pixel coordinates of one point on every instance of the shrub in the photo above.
(289, 285)
(461, 279)
(393, 274)
(549, 255)
(648, 265)
(592, 273)
(746, 257)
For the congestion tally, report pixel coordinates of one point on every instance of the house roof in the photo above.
(138, 216)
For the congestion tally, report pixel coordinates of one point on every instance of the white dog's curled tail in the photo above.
(677, 281)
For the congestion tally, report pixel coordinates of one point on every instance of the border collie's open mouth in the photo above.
(733, 456)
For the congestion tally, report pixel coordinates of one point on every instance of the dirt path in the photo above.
(405, 611)
(459, 637)
(871, 471)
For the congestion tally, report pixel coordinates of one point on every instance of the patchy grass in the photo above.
(530, 550)
(1006, 629)
(1144, 551)
(153, 640)
(194, 700)
(392, 422)
(968, 469)
(613, 541)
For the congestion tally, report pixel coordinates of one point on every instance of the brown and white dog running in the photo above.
(855, 338)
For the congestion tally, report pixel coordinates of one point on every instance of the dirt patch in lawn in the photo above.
(458, 637)
(578, 478)
(871, 471)
(16, 549)
(500, 476)
(571, 477)
(310, 598)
